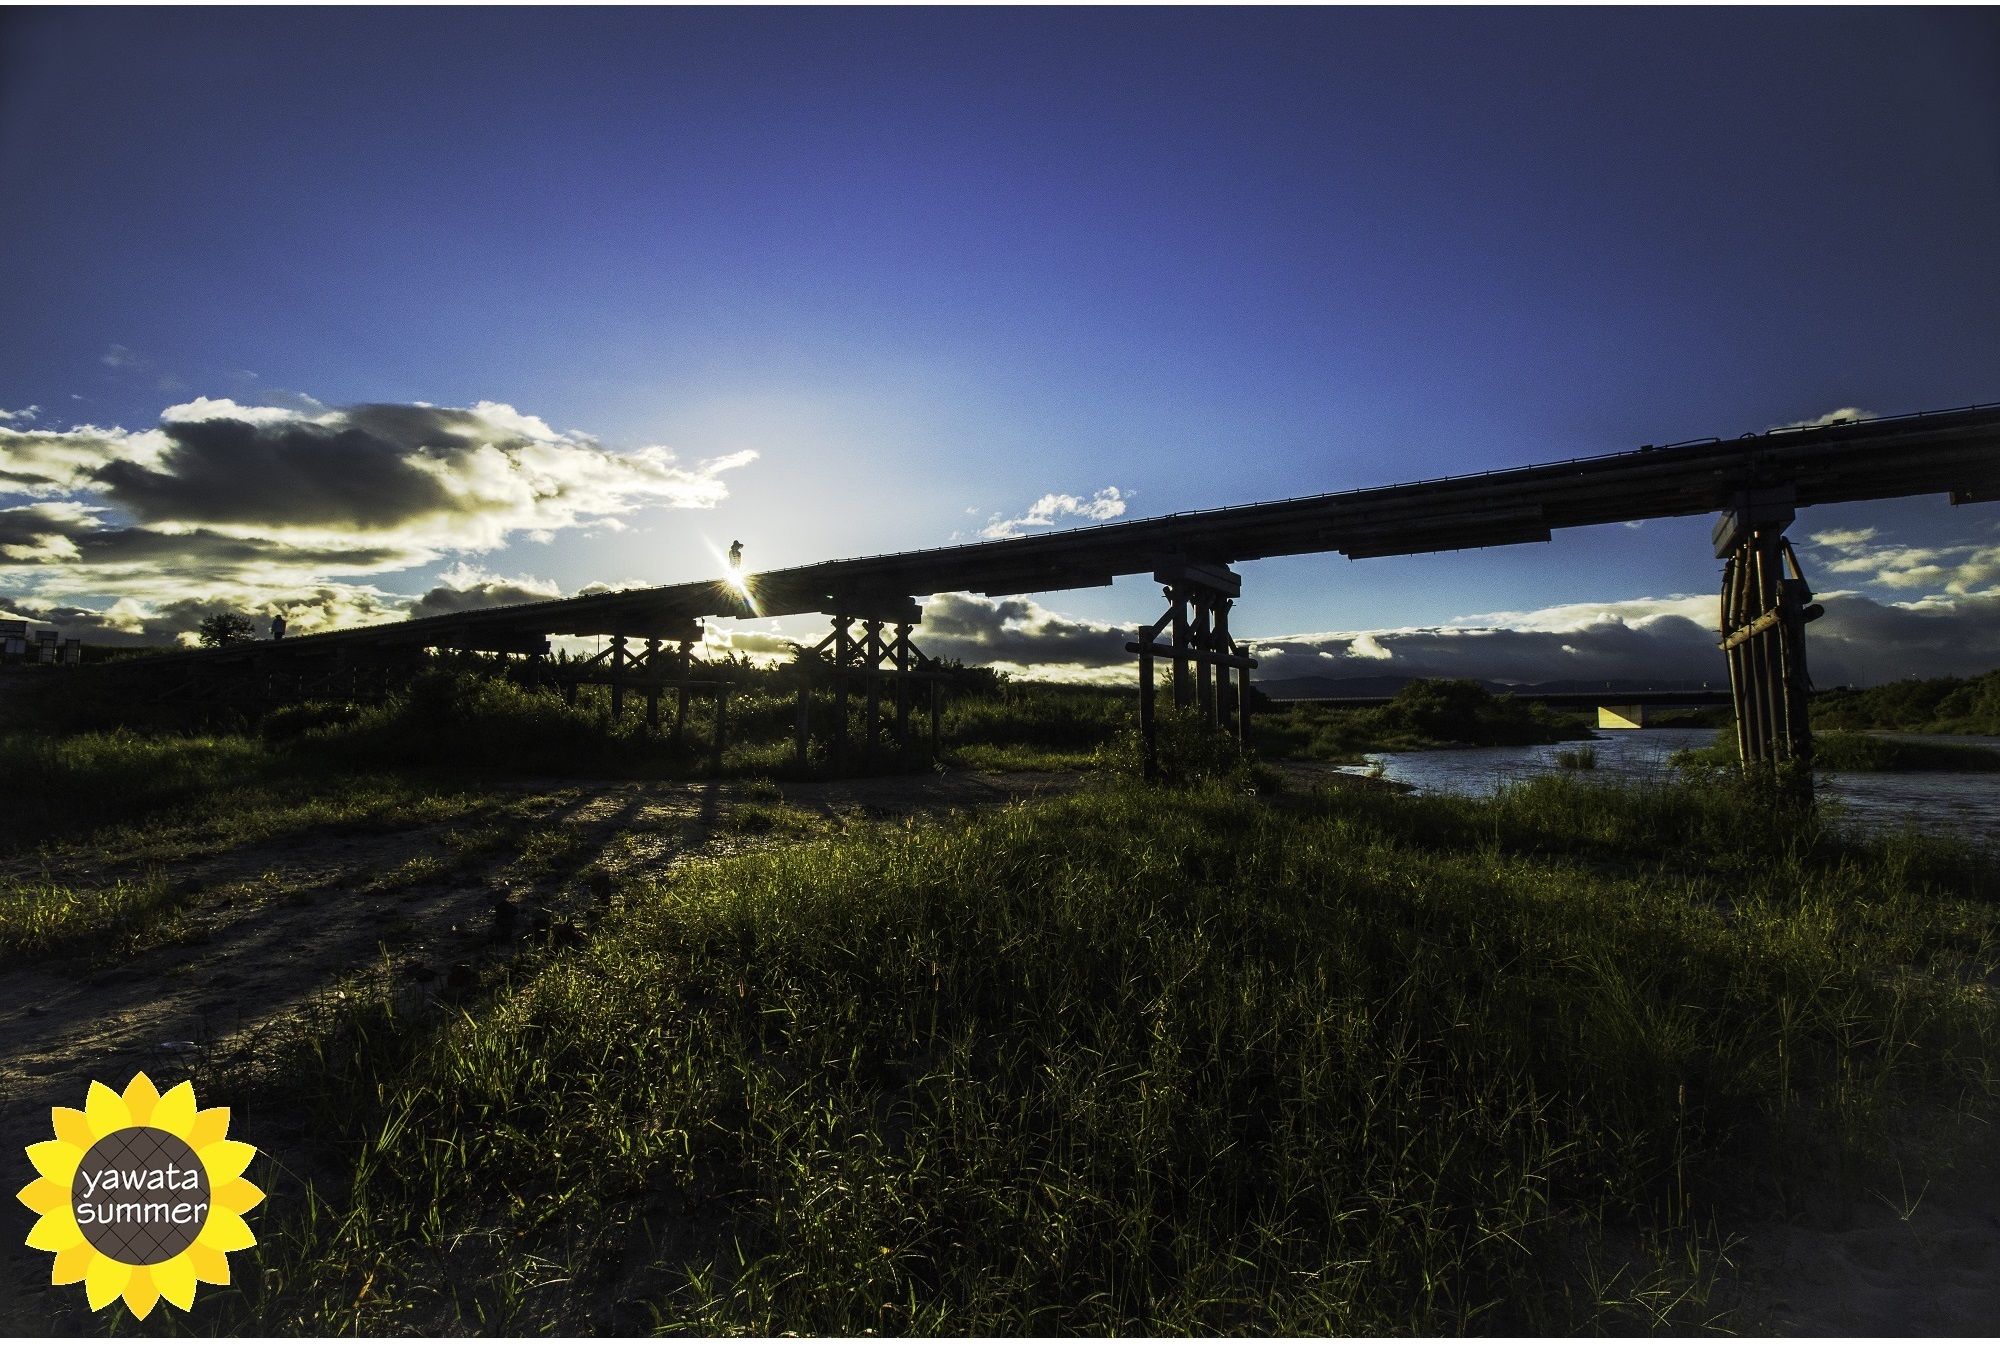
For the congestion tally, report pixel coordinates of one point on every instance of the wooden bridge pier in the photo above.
(1765, 607)
(841, 651)
(1205, 659)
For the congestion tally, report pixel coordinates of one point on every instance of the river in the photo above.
(1963, 802)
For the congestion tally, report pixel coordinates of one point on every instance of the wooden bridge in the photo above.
(1755, 483)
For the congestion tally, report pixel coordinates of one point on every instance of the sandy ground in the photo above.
(285, 922)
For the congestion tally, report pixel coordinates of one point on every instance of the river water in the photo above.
(1963, 802)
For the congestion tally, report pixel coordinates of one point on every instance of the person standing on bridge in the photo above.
(735, 557)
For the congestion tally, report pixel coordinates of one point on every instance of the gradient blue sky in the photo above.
(926, 262)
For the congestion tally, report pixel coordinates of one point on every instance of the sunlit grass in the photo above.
(1158, 1062)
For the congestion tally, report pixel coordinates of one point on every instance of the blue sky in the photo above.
(935, 265)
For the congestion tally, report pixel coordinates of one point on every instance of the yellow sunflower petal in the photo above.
(175, 1112)
(209, 1264)
(225, 1158)
(55, 1232)
(209, 1126)
(176, 1278)
(141, 1292)
(225, 1232)
(71, 1264)
(72, 1126)
(56, 1159)
(44, 1195)
(234, 1195)
(105, 1280)
(140, 1096)
(106, 1111)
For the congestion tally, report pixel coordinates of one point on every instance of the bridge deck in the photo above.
(1955, 452)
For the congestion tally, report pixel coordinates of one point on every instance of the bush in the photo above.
(1928, 705)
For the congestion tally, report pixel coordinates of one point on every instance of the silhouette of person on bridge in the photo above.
(736, 555)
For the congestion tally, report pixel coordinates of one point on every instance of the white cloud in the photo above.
(1961, 570)
(1101, 507)
(260, 503)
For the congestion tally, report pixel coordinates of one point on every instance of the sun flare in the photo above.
(140, 1196)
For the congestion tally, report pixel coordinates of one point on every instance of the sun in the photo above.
(140, 1196)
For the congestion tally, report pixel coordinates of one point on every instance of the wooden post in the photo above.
(937, 717)
(1243, 702)
(1149, 732)
(1219, 638)
(681, 696)
(1204, 689)
(802, 736)
(721, 728)
(1177, 596)
(617, 678)
(871, 655)
(900, 651)
(652, 671)
(1763, 617)
(843, 660)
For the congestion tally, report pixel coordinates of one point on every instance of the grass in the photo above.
(1152, 1061)
(40, 919)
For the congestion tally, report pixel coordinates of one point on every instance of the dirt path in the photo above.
(273, 926)
(1916, 1257)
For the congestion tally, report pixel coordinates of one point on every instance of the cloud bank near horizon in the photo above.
(263, 508)
(1859, 641)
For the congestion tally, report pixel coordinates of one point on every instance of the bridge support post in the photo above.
(843, 659)
(721, 729)
(619, 659)
(867, 654)
(1202, 640)
(652, 672)
(1149, 734)
(1765, 607)
(802, 732)
(1243, 667)
(685, 667)
(1198, 636)
(900, 653)
(1176, 617)
(871, 662)
(937, 718)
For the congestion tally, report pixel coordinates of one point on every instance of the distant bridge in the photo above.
(1755, 482)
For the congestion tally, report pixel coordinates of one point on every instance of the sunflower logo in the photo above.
(140, 1196)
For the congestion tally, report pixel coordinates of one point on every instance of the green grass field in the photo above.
(1142, 1061)
(1198, 1058)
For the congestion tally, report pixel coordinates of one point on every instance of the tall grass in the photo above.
(40, 918)
(62, 785)
(1157, 1062)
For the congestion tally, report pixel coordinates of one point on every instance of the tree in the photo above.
(226, 628)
